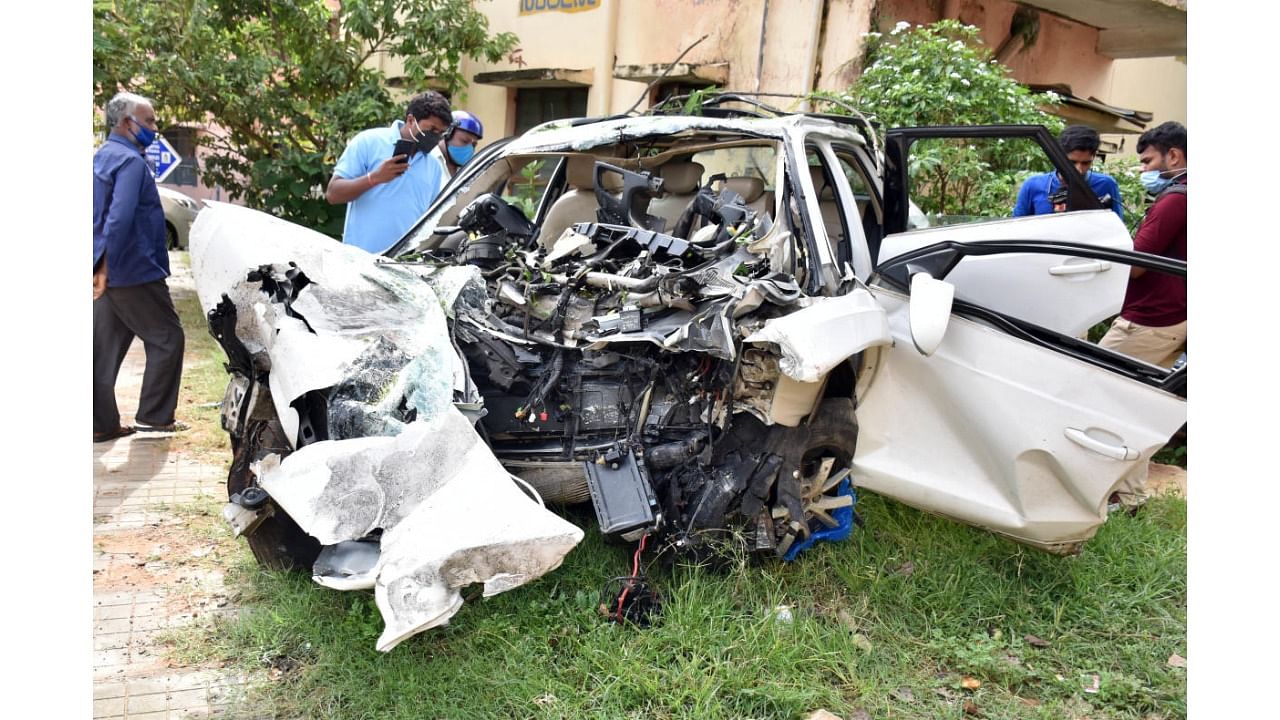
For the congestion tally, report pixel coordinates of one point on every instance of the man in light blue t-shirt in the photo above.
(387, 192)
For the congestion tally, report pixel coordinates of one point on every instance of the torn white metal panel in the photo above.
(449, 512)
(352, 306)
(228, 240)
(826, 332)
(481, 528)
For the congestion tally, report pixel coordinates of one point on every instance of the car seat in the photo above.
(578, 203)
(680, 180)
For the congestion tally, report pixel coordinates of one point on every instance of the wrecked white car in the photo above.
(703, 323)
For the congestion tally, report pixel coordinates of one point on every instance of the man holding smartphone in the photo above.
(386, 177)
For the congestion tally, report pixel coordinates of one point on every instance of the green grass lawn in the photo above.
(913, 617)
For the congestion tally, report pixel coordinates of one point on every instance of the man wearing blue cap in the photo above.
(458, 144)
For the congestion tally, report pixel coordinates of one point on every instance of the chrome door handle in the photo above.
(1078, 268)
(1115, 452)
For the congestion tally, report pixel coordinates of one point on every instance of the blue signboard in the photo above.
(162, 157)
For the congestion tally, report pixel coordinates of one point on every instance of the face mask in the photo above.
(144, 136)
(461, 154)
(1153, 181)
(427, 140)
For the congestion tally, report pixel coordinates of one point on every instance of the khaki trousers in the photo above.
(1156, 345)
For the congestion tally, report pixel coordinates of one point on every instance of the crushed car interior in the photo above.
(709, 327)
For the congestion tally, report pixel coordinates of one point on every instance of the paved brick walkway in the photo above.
(148, 579)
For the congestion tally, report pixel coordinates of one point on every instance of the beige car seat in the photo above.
(752, 191)
(680, 180)
(578, 203)
(827, 204)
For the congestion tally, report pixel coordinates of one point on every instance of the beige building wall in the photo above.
(1064, 51)
(805, 45)
(1158, 85)
(775, 46)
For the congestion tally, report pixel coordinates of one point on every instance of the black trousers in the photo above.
(144, 311)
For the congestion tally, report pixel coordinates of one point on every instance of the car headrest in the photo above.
(580, 171)
(750, 188)
(681, 177)
(820, 182)
(580, 174)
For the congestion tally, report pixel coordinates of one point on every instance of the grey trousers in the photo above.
(145, 311)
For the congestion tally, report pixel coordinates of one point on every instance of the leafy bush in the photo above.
(283, 85)
(941, 74)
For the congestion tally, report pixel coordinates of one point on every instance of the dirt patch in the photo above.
(184, 556)
(1166, 480)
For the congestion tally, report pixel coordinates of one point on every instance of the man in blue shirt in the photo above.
(387, 192)
(1080, 143)
(130, 263)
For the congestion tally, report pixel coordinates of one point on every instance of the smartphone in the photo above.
(405, 148)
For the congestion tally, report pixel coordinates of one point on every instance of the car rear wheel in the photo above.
(170, 236)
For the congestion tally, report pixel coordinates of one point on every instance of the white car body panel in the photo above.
(1044, 289)
(816, 339)
(449, 512)
(981, 431)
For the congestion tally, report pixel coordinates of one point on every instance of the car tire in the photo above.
(277, 543)
(170, 236)
(833, 434)
(835, 429)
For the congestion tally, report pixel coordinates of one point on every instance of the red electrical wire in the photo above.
(635, 570)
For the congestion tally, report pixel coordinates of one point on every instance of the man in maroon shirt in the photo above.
(1153, 321)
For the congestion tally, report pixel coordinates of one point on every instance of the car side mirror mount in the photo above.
(930, 311)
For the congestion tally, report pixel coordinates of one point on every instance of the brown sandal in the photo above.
(119, 432)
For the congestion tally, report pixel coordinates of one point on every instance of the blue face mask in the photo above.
(1152, 181)
(461, 154)
(145, 136)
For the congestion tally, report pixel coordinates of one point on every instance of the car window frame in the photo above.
(941, 258)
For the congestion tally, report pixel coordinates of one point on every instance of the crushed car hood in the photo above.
(402, 461)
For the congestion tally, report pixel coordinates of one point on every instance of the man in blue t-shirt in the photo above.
(388, 192)
(1080, 143)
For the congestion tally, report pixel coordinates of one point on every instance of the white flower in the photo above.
(872, 34)
(954, 76)
(951, 98)
(902, 25)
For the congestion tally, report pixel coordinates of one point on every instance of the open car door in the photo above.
(1007, 425)
(1065, 294)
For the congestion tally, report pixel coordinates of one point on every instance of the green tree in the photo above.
(942, 74)
(286, 82)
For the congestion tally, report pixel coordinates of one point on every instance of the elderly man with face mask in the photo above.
(387, 177)
(1153, 321)
(130, 264)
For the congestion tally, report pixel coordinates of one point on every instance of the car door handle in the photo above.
(1078, 268)
(1115, 452)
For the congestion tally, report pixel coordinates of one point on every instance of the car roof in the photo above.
(559, 135)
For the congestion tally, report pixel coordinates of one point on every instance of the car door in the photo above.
(1007, 425)
(1055, 291)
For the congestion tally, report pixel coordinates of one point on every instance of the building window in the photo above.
(535, 106)
(183, 140)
